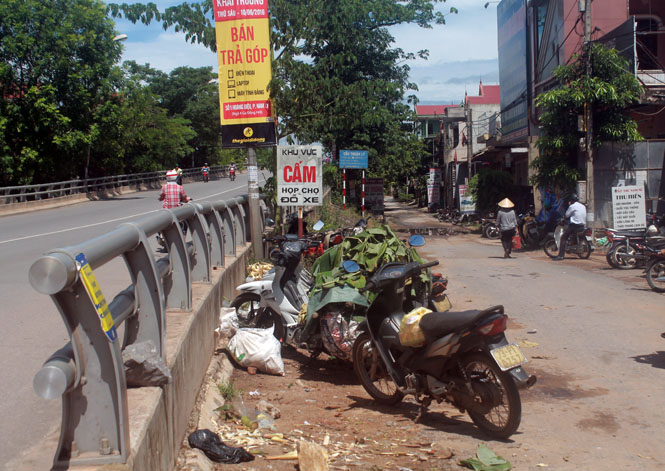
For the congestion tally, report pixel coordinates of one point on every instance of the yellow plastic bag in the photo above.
(410, 333)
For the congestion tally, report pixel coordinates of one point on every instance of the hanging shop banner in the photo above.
(353, 158)
(628, 207)
(243, 55)
(466, 203)
(299, 176)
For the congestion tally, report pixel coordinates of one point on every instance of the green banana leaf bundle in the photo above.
(370, 249)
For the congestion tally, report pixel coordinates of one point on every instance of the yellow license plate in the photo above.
(508, 357)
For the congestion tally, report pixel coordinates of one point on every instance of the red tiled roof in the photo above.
(430, 110)
(491, 95)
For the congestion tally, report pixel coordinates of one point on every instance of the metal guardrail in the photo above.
(20, 194)
(88, 373)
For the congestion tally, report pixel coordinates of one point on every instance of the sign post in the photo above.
(354, 159)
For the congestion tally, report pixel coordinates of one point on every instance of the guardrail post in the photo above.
(95, 421)
(216, 230)
(201, 259)
(229, 229)
(149, 322)
(178, 286)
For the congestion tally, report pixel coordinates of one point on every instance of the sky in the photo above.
(461, 53)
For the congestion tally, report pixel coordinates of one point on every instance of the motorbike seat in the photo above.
(437, 324)
(628, 233)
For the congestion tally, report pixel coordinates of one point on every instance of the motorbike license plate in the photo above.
(508, 357)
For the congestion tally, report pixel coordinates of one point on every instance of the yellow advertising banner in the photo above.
(243, 54)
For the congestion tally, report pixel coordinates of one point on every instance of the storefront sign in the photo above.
(628, 207)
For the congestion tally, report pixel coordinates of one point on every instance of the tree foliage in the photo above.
(488, 187)
(609, 90)
(337, 78)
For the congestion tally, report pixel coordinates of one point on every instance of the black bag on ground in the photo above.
(215, 449)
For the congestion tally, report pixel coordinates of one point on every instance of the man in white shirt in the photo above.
(576, 214)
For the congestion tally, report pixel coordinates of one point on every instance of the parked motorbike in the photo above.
(489, 228)
(532, 232)
(465, 358)
(580, 243)
(624, 252)
(655, 269)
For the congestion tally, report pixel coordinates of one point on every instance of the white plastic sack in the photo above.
(228, 322)
(258, 348)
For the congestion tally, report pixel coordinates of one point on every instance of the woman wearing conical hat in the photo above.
(506, 221)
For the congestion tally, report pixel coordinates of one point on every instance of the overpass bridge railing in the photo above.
(88, 372)
(21, 194)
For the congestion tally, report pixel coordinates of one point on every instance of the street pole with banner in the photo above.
(246, 112)
(299, 178)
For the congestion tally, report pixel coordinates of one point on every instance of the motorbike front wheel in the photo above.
(550, 248)
(498, 408)
(622, 257)
(372, 372)
(656, 276)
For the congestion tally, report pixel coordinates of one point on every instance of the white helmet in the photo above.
(171, 176)
(652, 231)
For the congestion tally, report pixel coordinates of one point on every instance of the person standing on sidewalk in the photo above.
(506, 220)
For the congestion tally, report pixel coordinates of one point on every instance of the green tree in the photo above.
(55, 56)
(337, 77)
(610, 91)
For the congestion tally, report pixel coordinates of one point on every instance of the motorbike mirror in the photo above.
(350, 266)
(270, 222)
(318, 226)
(416, 240)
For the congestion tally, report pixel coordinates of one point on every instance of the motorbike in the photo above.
(531, 231)
(580, 243)
(655, 269)
(232, 174)
(464, 358)
(489, 228)
(624, 252)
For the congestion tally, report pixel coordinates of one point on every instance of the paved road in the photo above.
(30, 325)
(593, 338)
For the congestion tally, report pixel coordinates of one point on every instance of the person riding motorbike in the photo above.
(232, 171)
(172, 194)
(205, 170)
(576, 215)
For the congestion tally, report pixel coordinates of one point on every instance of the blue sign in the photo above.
(353, 158)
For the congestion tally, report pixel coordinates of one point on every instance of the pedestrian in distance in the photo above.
(179, 172)
(506, 220)
(576, 217)
(172, 194)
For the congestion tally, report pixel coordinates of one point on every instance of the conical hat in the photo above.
(506, 203)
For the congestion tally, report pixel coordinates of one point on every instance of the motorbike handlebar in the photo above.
(429, 264)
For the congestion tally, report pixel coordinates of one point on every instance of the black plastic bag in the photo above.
(215, 449)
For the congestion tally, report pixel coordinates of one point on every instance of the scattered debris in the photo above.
(215, 449)
(486, 460)
(144, 366)
(258, 348)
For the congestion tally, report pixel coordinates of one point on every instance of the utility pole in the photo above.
(588, 110)
(469, 140)
(254, 207)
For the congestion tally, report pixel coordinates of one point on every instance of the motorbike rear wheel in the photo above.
(372, 373)
(251, 315)
(499, 409)
(656, 276)
(610, 257)
(492, 232)
(550, 248)
(583, 248)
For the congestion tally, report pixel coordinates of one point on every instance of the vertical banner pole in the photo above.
(363, 195)
(300, 227)
(344, 189)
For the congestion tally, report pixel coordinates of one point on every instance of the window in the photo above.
(647, 43)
